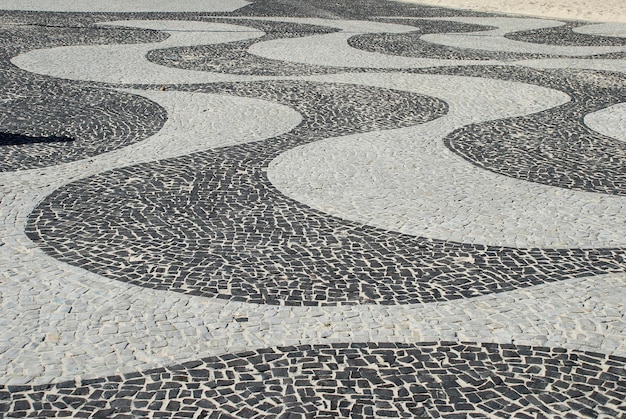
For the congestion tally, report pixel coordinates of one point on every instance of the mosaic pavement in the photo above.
(310, 209)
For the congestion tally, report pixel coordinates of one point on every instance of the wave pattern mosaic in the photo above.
(181, 188)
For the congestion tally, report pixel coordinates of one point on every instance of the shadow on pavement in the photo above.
(20, 139)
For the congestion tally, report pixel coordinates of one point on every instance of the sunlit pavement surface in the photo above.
(310, 209)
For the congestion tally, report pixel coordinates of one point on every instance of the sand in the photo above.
(590, 10)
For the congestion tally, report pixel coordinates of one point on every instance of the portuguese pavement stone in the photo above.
(310, 209)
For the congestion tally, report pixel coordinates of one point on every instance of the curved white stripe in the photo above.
(615, 29)
(406, 180)
(494, 40)
(123, 5)
(579, 64)
(333, 49)
(200, 121)
(62, 322)
(352, 26)
(127, 63)
(610, 121)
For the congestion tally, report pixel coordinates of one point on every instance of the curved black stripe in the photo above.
(564, 36)
(97, 120)
(349, 380)
(233, 57)
(235, 236)
(553, 147)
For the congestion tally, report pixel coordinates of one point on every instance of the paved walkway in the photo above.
(310, 209)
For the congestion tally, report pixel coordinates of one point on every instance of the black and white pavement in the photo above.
(310, 209)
